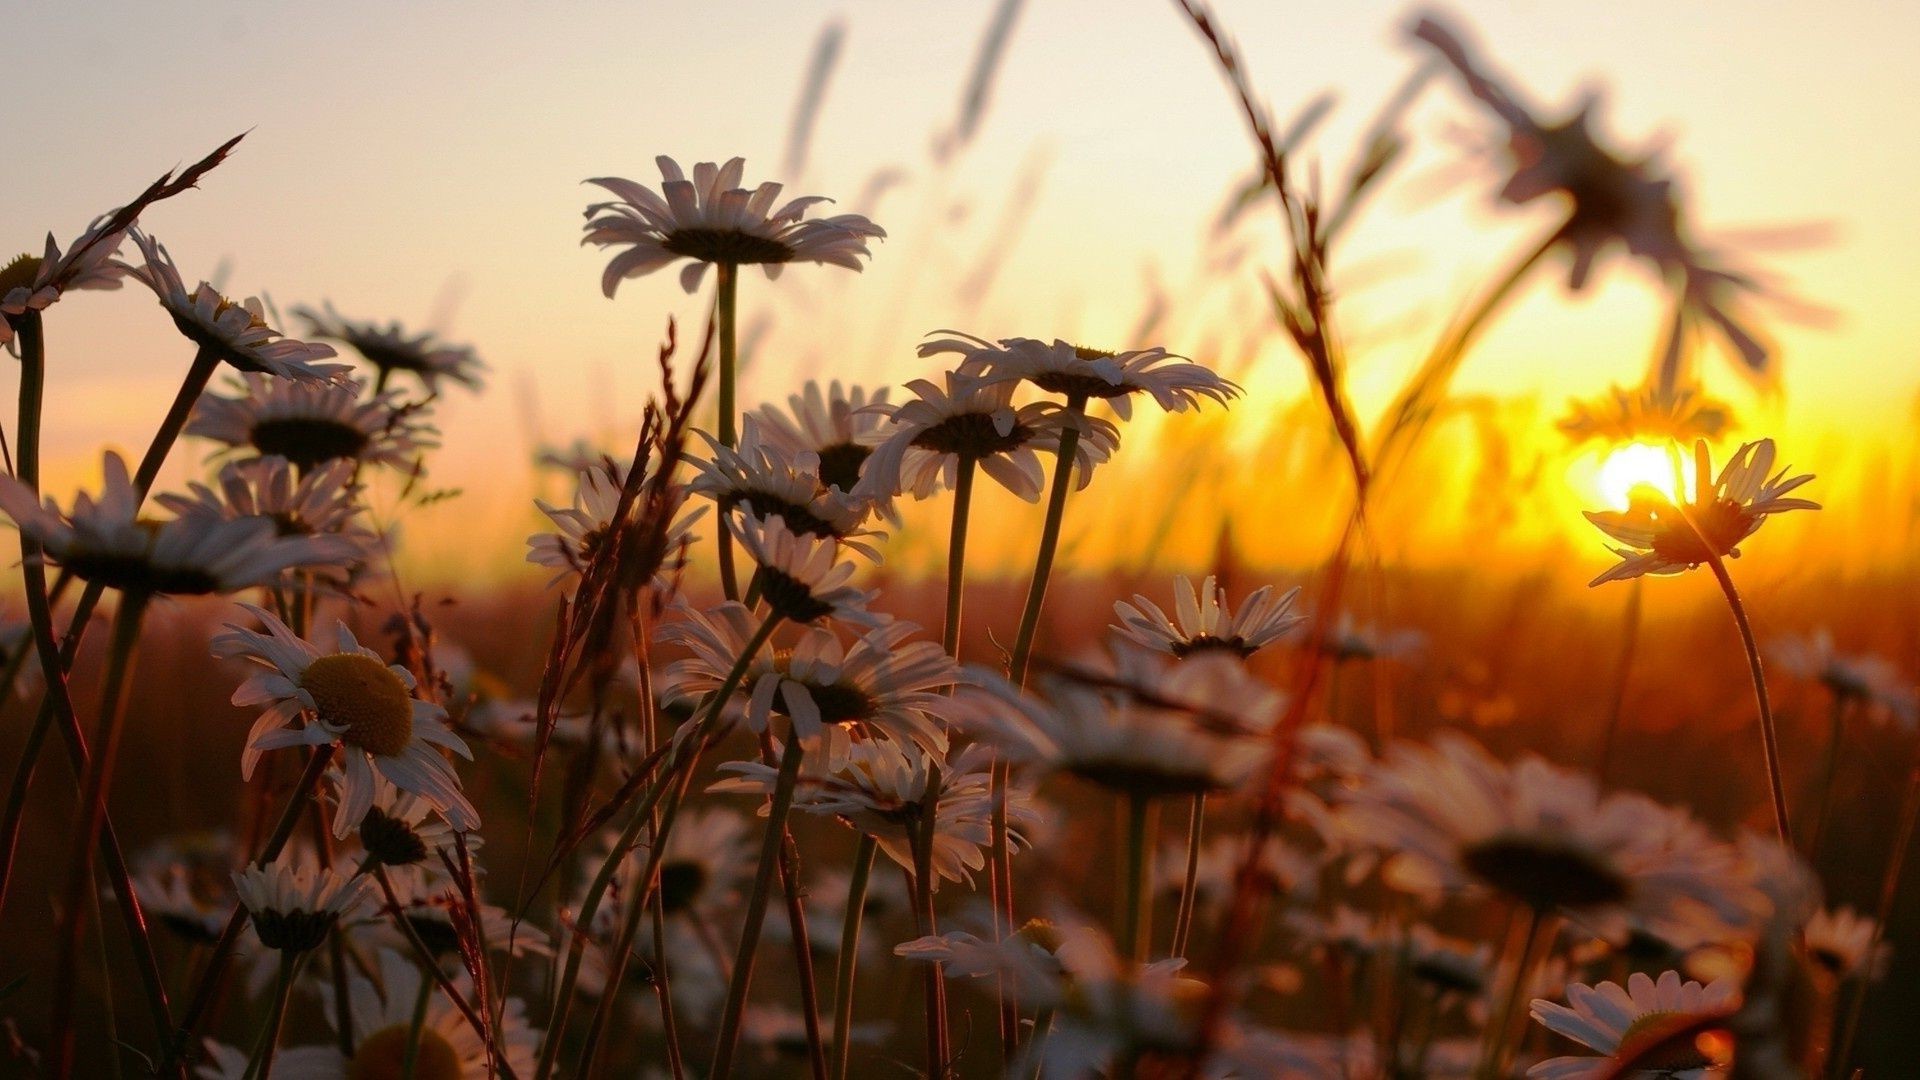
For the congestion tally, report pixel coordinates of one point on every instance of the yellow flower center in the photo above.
(362, 695)
(383, 1056)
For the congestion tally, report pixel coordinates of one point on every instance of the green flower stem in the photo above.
(115, 688)
(742, 980)
(934, 979)
(1037, 1044)
(1769, 738)
(850, 954)
(1136, 922)
(957, 554)
(1190, 885)
(410, 1063)
(260, 1065)
(642, 818)
(726, 304)
(1049, 543)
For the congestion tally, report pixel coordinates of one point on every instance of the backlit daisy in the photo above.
(924, 441)
(712, 219)
(1663, 538)
(1452, 818)
(295, 903)
(348, 696)
(237, 332)
(35, 282)
(1872, 681)
(325, 501)
(1620, 1022)
(1084, 374)
(105, 540)
(1651, 414)
(829, 431)
(390, 348)
(311, 424)
(1206, 622)
(801, 578)
(585, 526)
(760, 479)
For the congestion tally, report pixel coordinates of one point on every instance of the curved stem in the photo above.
(1770, 740)
(742, 980)
(1049, 543)
(260, 1066)
(849, 959)
(1190, 885)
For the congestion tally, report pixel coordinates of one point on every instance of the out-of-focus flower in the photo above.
(35, 282)
(1454, 818)
(1655, 414)
(1206, 621)
(295, 904)
(398, 1031)
(920, 449)
(313, 424)
(1660, 537)
(1872, 681)
(1029, 958)
(801, 579)
(390, 348)
(829, 431)
(351, 697)
(167, 895)
(1083, 374)
(587, 525)
(1288, 872)
(712, 219)
(1611, 1019)
(105, 540)
(1844, 942)
(759, 478)
(236, 332)
(1351, 640)
(709, 855)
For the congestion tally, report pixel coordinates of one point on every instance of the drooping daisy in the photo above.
(237, 332)
(1206, 622)
(105, 540)
(969, 419)
(390, 348)
(760, 479)
(1869, 680)
(1663, 538)
(35, 282)
(1084, 374)
(712, 219)
(348, 696)
(324, 502)
(1620, 1022)
(295, 903)
(313, 424)
(830, 431)
(1453, 818)
(585, 527)
(801, 578)
(1650, 414)
(1844, 942)
(1201, 731)
(441, 1043)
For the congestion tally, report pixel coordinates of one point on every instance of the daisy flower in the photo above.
(1844, 942)
(236, 332)
(349, 697)
(883, 685)
(920, 449)
(1202, 732)
(390, 348)
(1083, 374)
(1662, 538)
(429, 902)
(323, 502)
(584, 527)
(712, 219)
(1651, 414)
(1351, 640)
(35, 282)
(400, 828)
(801, 579)
(830, 431)
(387, 1032)
(167, 895)
(1455, 819)
(709, 856)
(1028, 958)
(1206, 622)
(1619, 1021)
(760, 479)
(295, 904)
(1870, 680)
(312, 424)
(105, 540)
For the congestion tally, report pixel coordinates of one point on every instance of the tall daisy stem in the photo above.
(1136, 922)
(742, 981)
(1190, 885)
(849, 959)
(93, 811)
(260, 1066)
(1770, 740)
(957, 554)
(794, 893)
(925, 880)
(726, 302)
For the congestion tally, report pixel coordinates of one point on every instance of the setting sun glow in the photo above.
(1643, 465)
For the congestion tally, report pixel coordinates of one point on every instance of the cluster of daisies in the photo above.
(769, 824)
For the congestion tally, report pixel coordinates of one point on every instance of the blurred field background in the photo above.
(423, 162)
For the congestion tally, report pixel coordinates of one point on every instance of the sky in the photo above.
(424, 162)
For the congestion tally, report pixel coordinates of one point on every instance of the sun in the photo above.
(1634, 465)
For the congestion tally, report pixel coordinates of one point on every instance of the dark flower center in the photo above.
(308, 441)
(1544, 873)
(388, 356)
(839, 703)
(1714, 530)
(790, 597)
(293, 931)
(132, 573)
(1200, 643)
(800, 519)
(972, 435)
(680, 884)
(1142, 778)
(19, 273)
(390, 841)
(726, 246)
(840, 464)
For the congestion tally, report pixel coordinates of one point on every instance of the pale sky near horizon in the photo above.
(423, 161)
